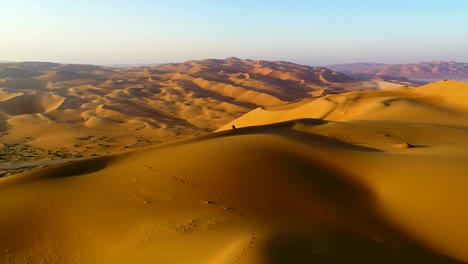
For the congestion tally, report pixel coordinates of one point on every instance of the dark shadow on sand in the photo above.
(286, 129)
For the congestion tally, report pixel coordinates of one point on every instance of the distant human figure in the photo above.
(233, 127)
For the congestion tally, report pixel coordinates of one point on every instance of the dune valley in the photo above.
(142, 165)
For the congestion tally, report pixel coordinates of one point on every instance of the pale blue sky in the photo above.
(308, 32)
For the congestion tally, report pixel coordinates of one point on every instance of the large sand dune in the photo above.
(50, 110)
(434, 70)
(438, 103)
(359, 177)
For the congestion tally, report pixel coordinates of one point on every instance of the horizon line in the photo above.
(129, 64)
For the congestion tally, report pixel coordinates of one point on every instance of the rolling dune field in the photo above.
(375, 176)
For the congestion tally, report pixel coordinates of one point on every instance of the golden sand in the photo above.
(358, 177)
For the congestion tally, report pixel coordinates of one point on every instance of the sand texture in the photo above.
(358, 177)
(61, 111)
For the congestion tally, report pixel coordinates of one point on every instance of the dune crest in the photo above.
(138, 106)
(31, 104)
(363, 176)
(436, 103)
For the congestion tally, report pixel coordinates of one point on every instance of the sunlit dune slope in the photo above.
(436, 103)
(296, 187)
(259, 195)
(100, 110)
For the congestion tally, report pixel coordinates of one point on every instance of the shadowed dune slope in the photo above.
(267, 195)
(296, 187)
(31, 104)
(83, 105)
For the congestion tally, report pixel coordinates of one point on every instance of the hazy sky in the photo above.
(309, 32)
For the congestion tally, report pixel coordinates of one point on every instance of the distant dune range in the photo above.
(50, 110)
(436, 70)
(375, 176)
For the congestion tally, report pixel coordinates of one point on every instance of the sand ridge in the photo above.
(297, 205)
(77, 110)
(363, 176)
(436, 103)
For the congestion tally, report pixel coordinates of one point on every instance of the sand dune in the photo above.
(437, 103)
(6, 95)
(31, 104)
(54, 76)
(138, 106)
(434, 70)
(360, 177)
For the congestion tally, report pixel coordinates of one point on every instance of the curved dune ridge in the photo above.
(6, 95)
(31, 104)
(437, 103)
(85, 107)
(359, 177)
